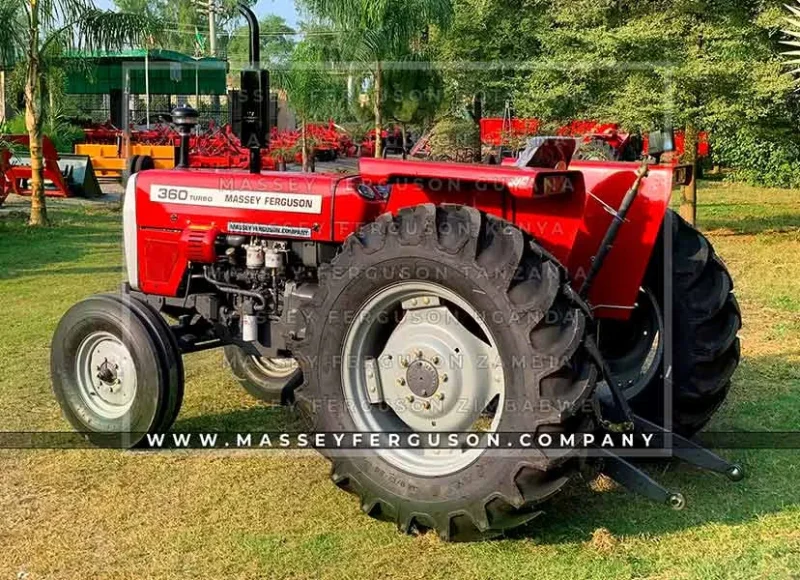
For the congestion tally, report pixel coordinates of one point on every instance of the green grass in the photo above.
(110, 514)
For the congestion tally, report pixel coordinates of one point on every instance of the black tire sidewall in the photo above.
(88, 317)
(255, 382)
(143, 163)
(168, 352)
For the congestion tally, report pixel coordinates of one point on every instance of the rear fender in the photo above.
(506, 192)
(616, 287)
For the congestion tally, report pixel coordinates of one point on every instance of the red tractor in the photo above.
(419, 297)
(416, 298)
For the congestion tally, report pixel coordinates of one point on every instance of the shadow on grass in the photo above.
(255, 419)
(770, 485)
(74, 233)
(730, 224)
(711, 498)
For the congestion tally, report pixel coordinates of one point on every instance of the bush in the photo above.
(759, 159)
(454, 140)
(63, 135)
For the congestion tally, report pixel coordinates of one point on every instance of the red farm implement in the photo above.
(64, 175)
(504, 137)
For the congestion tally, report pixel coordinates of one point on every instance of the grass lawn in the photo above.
(108, 514)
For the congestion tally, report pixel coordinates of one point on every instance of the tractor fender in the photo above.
(616, 287)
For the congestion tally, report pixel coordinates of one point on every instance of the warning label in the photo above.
(255, 200)
(268, 230)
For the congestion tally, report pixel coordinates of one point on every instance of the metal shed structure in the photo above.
(154, 81)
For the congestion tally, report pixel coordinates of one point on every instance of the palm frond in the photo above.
(792, 34)
(12, 43)
(102, 30)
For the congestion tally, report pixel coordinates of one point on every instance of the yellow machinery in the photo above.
(108, 160)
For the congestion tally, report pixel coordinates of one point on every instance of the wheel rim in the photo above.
(634, 348)
(419, 358)
(106, 375)
(275, 368)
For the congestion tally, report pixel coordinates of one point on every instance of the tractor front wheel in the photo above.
(704, 326)
(116, 370)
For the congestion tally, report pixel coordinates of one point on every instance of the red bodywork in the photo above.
(170, 234)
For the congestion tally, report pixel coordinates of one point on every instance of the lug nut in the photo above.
(426, 300)
(419, 353)
(413, 302)
(436, 360)
(404, 362)
(427, 405)
(440, 396)
(410, 399)
(444, 378)
(401, 381)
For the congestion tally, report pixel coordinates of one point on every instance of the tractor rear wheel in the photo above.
(704, 326)
(445, 319)
(267, 379)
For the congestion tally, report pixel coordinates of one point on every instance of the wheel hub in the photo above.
(106, 375)
(436, 374)
(431, 371)
(422, 378)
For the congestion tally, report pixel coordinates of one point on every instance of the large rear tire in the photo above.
(509, 298)
(705, 322)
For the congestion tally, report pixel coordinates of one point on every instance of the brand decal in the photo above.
(257, 200)
(268, 230)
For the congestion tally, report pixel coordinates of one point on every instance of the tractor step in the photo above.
(627, 474)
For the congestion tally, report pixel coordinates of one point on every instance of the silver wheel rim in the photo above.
(275, 368)
(641, 366)
(106, 375)
(432, 372)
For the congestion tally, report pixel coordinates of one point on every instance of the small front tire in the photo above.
(109, 373)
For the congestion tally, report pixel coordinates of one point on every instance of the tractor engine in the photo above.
(254, 275)
(255, 278)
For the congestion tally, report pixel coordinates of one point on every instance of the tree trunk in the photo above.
(403, 137)
(688, 209)
(377, 107)
(33, 121)
(303, 144)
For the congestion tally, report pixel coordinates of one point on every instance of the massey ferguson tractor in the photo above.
(552, 297)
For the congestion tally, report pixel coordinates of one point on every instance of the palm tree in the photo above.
(373, 32)
(793, 34)
(36, 33)
(304, 83)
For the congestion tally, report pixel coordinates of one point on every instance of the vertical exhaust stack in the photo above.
(254, 132)
(185, 118)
